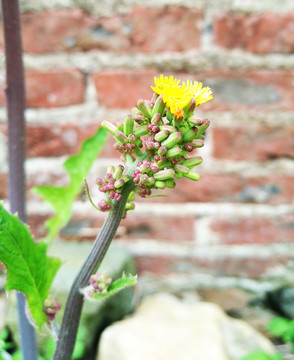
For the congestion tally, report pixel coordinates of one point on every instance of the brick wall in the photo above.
(87, 61)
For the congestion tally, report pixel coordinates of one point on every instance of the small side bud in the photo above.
(164, 174)
(190, 134)
(173, 152)
(172, 140)
(156, 119)
(144, 108)
(109, 127)
(159, 106)
(192, 176)
(193, 161)
(141, 130)
(161, 135)
(128, 125)
(159, 184)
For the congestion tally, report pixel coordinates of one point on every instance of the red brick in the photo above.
(250, 267)
(123, 88)
(253, 143)
(54, 88)
(165, 29)
(258, 33)
(164, 228)
(146, 30)
(47, 140)
(255, 230)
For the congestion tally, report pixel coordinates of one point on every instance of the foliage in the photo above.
(77, 167)
(283, 328)
(28, 268)
(262, 355)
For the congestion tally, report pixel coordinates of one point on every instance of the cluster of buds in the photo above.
(98, 284)
(157, 138)
(51, 307)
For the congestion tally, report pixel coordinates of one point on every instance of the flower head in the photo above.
(176, 97)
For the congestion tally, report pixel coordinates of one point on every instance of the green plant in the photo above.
(262, 355)
(284, 329)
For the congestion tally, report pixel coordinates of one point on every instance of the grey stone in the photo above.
(282, 301)
(164, 327)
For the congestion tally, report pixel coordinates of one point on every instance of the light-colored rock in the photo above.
(165, 328)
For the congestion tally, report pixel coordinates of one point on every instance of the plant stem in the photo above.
(73, 309)
(15, 98)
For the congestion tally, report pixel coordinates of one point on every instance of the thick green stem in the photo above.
(73, 309)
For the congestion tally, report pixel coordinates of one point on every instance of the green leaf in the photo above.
(279, 326)
(77, 167)
(124, 282)
(29, 270)
(262, 355)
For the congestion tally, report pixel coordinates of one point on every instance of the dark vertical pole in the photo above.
(15, 99)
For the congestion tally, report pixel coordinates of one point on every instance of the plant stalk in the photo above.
(73, 309)
(15, 102)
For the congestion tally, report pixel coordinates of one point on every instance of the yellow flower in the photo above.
(176, 96)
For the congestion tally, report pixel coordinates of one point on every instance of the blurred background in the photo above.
(89, 61)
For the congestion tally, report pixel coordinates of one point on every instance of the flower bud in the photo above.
(121, 137)
(161, 135)
(190, 107)
(118, 172)
(109, 127)
(173, 152)
(159, 184)
(144, 108)
(170, 183)
(128, 125)
(190, 134)
(202, 128)
(156, 119)
(110, 170)
(192, 176)
(130, 206)
(172, 140)
(162, 150)
(197, 143)
(164, 174)
(193, 161)
(195, 121)
(119, 183)
(141, 130)
(103, 205)
(182, 169)
(169, 128)
(159, 106)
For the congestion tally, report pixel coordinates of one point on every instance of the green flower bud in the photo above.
(109, 127)
(172, 140)
(164, 174)
(170, 183)
(192, 176)
(141, 130)
(121, 137)
(110, 170)
(169, 128)
(130, 206)
(129, 125)
(182, 169)
(144, 108)
(159, 184)
(119, 183)
(118, 172)
(190, 107)
(197, 143)
(173, 152)
(193, 161)
(159, 106)
(190, 134)
(202, 128)
(195, 121)
(161, 135)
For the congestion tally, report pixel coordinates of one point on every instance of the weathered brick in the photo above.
(146, 30)
(257, 33)
(250, 267)
(164, 228)
(54, 88)
(49, 141)
(122, 88)
(255, 230)
(3, 186)
(253, 143)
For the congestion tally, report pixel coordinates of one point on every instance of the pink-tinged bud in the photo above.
(156, 157)
(110, 170)
(155, 129)
(150, 145)
(159, 184)
(139, 118)
(169, 128)
(156, 119)
(202, 128)
(189, 109)
(103, 205)
(162, 150)
(159, 106)
(195, 121)
(172, 140)
(144, 108)
(132, 138)
(151, 181)
(161, 135)
(119, 183)
(121, 137)
(118, 196)
(100, 181)
(154, 168)
(129, 125)
(188, 147)
(164, 174)
(144, 179)
(197, 143)
(149, 127)
(173, 152)
(141, 130)
(109, 127)
(192, 176)
(182, 169)
(190, 134)
(193, 161)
